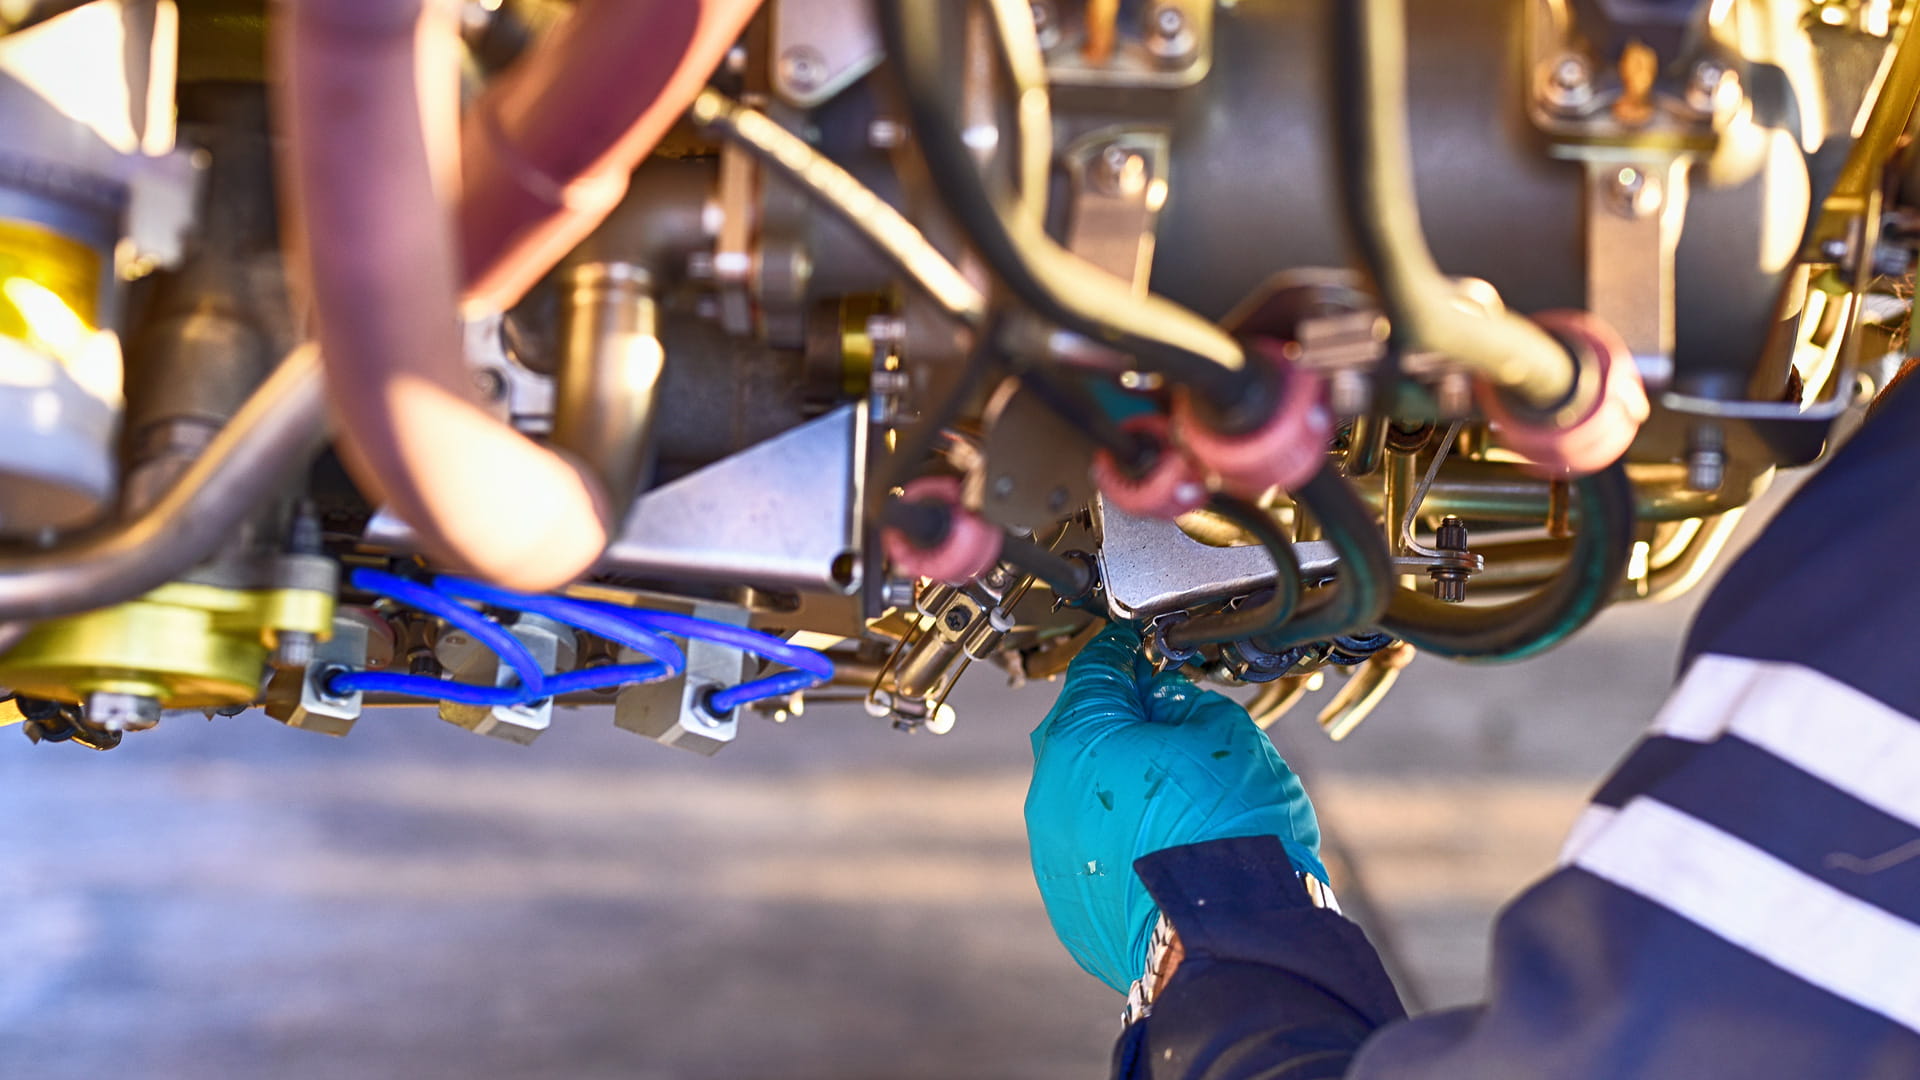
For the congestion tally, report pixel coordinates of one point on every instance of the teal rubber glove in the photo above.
(1129, 763)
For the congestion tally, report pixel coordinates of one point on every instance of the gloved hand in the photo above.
(1129, 763)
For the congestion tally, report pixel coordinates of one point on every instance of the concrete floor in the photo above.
(826, 898)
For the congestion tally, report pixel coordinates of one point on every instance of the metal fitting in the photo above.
(1568, 85)
(1170, 36)
(1450, 582)
(1710, 83)
(1634, 193)
(113, 711)
(1706, 458)
(293, 648)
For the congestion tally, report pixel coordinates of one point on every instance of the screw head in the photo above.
(958, 618)
(490, 382)
(1634, 193)
(1569, 82)
(803, 68)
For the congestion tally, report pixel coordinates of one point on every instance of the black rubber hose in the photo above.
(931, 72)
(926, 524)
(1067, 396)
(1267, 615)
(1382, 216)
(1070, 579)
(1536, 622)
(1363, 575)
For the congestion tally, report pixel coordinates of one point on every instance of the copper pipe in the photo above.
(548, 147)
(1498, 491)
(1366, 687)
(368, 101)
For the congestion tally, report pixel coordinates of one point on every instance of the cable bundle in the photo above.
(642, 631)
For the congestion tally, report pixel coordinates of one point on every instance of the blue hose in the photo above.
(484, 630)
(814, 667)
(592, 618)
(642, 631)
(428, 687)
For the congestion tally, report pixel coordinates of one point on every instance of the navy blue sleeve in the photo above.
(1271, 987)
(1742, 898)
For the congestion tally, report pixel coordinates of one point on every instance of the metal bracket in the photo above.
(674, 711)
(1150, 567)
(517, 723)
(821, 47)
(1034, 466)
(317, 709)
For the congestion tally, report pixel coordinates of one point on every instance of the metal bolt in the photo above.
(1168, 36)
(886, 329)
(803, 68)
(1002, 485)
(897, 594)
(490, 382)
(1569, 83)
(1119, 171)
(1057, 499)
(1045, 25)
(1706, 458)
(1449, 582)
(958, 618)
(1633, 193)
(885, 134)
(293, 648)
(1834, 250)
(1709, 82)
(111, 711)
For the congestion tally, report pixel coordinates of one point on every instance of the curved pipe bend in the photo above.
(367, 134)
(1382, 215)
(1364, 575)
(368, 104)
(1012, 239)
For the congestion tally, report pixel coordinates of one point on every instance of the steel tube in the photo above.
(608, 390)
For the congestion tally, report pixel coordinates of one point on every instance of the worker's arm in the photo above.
(1152, 797)
(1743, 897)
(1741, 900)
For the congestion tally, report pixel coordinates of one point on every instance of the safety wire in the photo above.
(643, 631)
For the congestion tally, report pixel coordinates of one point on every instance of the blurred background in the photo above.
(825, 898)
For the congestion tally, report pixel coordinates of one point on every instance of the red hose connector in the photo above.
(1598, 437)
(1171, 486)
(971, 547)
(1283, 452)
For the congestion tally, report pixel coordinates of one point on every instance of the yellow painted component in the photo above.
(191, 646)
(61, 265)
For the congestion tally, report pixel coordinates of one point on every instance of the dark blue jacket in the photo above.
(1742, 899)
